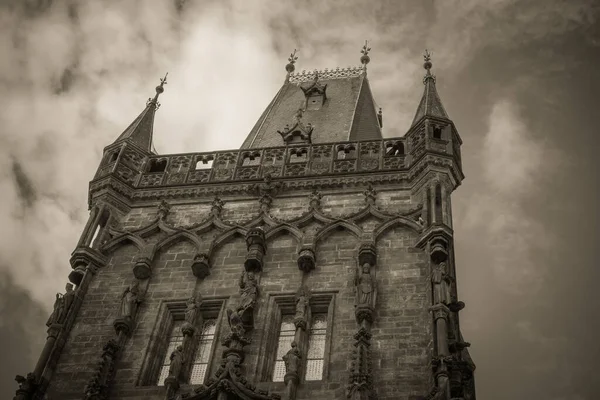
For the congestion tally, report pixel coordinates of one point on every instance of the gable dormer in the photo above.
(297, 132)
(315, 93)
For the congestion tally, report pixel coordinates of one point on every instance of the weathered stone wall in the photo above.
(401, 341)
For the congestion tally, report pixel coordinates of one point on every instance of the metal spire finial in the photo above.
(427, 65)
(159, 89)
(292, 60)
(427, 57)
(364, 60)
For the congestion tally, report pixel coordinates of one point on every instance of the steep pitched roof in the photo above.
(430, 104)
(140, 131)
(347, 112)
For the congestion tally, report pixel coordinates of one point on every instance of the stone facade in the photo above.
(363, 238)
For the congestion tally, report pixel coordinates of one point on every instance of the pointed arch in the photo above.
(263, 217)
(350, 226)
(398, 221)
(370, 210)
(312, 215)
(122, 239)
(292, 230)
(177, 238)
(226, 236)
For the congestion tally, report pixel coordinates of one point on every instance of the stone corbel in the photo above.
(256, 242)
(143, 264)
(27, 386)
(81, 258)
(306, 259)
(201, 265)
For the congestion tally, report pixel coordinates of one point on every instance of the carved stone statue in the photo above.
(129, 300)
(302, 304)
(61, 306)
(190, 310)
(176, 361)
(235, 323)
(248, 291)
(441, 286)
(365, 286)
(292, 359)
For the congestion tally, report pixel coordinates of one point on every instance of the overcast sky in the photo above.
(519, 78)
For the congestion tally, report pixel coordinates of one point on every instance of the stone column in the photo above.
(432, 205)
(53, 331)
(440, 316)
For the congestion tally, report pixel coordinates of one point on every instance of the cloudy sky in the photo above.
(519, 79)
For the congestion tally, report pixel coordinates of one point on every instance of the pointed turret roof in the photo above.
(431, 104)
(140, 130)
(337, 105)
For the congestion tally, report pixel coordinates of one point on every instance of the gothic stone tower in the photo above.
(315, 262)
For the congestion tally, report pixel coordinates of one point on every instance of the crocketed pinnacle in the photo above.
(431, 104)
(141, 129)
(290, 67)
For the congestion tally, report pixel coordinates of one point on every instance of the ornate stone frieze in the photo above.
(326, 74)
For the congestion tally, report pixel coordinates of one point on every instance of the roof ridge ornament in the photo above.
(365, 59)
(159, 89)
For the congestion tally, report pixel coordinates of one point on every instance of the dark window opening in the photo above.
(395, 149)
(438, 205)
(158, 165)
(113, 156)
(298, 155)
(437, 132)
(346, 152)
(251, 159)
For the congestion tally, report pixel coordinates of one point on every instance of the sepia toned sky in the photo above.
(519, 79)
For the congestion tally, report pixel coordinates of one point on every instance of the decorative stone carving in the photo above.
(217, 206)
(176, 362)
(438, 252)
(27, 386)
(265, 202)
(248, 295)
(142, 268)
(143, 264)
(292, 360)
(255, 240)
(302, 307)
(367, 253)
(201, 266)
(163, 209)
(441, 284)
(97, 387)
(360, 381)
(61, 306)
(314, 200)
(266, 187)
(306, 260)
(370, 195)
